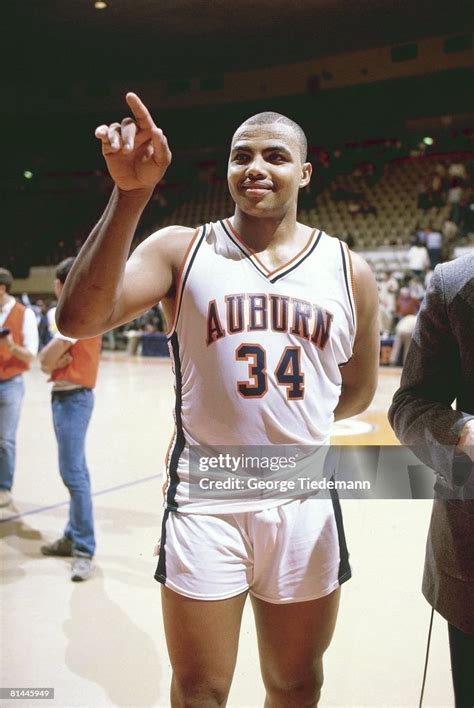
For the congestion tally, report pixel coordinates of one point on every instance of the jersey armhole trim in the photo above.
(184, 270)
(349, 281)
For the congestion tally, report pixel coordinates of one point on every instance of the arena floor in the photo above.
(101, 643)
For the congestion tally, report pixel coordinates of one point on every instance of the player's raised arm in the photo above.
(100, 291)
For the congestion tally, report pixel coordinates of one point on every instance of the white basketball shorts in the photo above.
(289, 553)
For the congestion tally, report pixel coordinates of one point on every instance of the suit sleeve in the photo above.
(421, 413)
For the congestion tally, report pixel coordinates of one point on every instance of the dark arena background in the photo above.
(383, 90)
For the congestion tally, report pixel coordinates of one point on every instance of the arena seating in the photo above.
(383, 237)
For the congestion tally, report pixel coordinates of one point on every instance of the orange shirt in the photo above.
(83, 368)
(10, 365)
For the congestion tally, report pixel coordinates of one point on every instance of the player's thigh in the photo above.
(202, 636)
(293, 637)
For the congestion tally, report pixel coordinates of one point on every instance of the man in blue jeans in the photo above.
(73, 366)
(18, 347)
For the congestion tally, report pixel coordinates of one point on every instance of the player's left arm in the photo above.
(359, 375)
(55, 355)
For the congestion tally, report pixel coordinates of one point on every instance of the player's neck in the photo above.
(261, 232)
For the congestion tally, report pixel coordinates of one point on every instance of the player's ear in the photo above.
(306, 172)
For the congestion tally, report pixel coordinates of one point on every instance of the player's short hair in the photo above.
(270, 118)
(62, 270)
(6, 279)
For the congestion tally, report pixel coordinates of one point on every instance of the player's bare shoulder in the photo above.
(168, 245)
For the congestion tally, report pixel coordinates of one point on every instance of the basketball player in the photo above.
(266, 351)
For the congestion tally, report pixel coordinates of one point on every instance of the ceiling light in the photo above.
(27, 174)
(100, 5)
(428, 140)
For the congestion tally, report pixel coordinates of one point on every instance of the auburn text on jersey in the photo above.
(252, 312)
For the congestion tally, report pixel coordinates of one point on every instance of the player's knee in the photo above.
(302, 690)
(193, 691)
(294, 696)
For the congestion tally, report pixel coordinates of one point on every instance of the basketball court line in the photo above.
(40, 509)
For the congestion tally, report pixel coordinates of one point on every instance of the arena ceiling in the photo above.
(61, 40)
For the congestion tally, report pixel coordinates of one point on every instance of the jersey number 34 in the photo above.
(288, 372)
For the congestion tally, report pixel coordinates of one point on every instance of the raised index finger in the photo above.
(140, 112)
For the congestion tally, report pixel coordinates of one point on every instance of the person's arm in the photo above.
(27, 351)
(55, 355)
(17, 350)
(103, 290)
(421, 413)
(359, 375)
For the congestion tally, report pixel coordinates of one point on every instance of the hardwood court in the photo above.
(101, 643)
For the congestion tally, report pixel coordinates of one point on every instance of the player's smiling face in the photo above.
(265, 169)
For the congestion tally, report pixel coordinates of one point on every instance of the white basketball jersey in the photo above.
(256, 354)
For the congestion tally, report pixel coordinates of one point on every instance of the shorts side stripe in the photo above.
(160, 574)
(180, 441)
(344, 572)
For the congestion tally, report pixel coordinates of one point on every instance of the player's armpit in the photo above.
(359, 375)
(150, 273)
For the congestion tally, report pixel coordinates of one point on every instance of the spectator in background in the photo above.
(423, 234)
(403, 334)
(418, 259)
(423, 199)
(133, 332)
(434, 244)
(455, 195)
(418, 234)
(450, 231)
(18, 347)
(417, 291)
(354, 207)
(73, 365)
(42, 322)
(436, 191)
(457, 169)
(406, 304)
(148, 323)
(388, 289)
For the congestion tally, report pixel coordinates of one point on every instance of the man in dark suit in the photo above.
(440, 369)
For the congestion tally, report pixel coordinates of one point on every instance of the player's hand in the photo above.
(136, 150)
(63, 361)
(9, 341)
